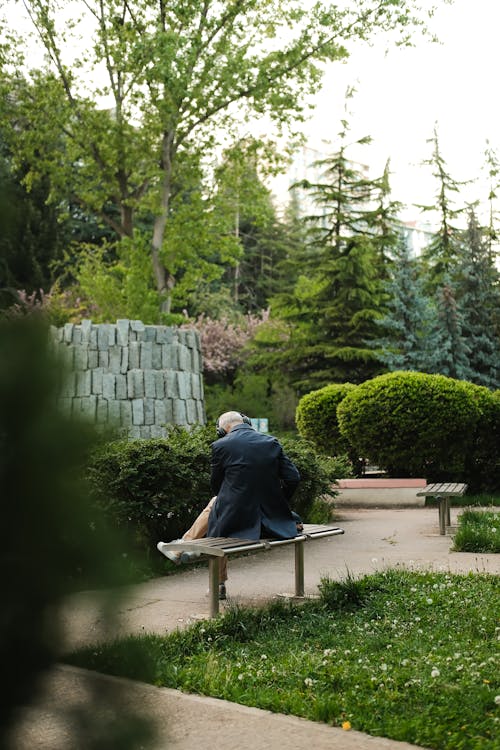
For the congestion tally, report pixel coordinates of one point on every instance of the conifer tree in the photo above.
(404, 345)
(493, 170)
(449, 350)
(478, 292)
(336, 299)
(441, 254)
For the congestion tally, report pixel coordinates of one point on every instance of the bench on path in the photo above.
(442, 493)
(215, 548)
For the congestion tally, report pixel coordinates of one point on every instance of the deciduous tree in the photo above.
(155, 79)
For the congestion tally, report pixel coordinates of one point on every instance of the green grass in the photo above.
(465, 501)
(406, 655)
(478, 531)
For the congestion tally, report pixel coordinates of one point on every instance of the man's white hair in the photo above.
(229, 419)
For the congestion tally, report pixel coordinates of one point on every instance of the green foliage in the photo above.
(347, 594)
(255, 394)
(316, 418)
(31, 237)
(49, 538)
(413, 424)
(119, 288)
(333, 306)
(483, 461)
(442, 252)
(322, 511)
(318, 474)
(478, 531)
(478, 295)
(171, 94)
(404, 342)
(154, 488)
(409, 656)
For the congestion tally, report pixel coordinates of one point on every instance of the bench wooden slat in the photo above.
(220, 546)
(451, 490)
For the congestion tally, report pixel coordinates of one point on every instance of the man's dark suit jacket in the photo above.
(253, 480)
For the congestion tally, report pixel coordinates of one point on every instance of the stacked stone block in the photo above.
(134, 376)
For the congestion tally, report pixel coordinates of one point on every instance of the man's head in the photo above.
(227, 421)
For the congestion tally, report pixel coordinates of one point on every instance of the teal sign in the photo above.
(261, 424)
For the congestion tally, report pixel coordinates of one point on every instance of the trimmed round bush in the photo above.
(316, 418)
(413, 424)
(483, 461)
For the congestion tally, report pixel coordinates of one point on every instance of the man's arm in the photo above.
(289, 474)
(216, 470)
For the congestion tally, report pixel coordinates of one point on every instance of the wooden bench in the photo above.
(442, 493)
(215, 548)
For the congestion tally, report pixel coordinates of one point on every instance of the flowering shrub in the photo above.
(223, 341)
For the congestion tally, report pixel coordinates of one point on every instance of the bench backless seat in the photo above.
(216, 547)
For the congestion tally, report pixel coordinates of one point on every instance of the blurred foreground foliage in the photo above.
(48, 535)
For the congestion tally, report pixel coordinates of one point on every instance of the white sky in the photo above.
(402, 94)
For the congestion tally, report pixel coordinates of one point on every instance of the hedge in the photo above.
(414, 424)
(316, 418)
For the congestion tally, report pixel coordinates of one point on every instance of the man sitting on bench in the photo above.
(253, 480)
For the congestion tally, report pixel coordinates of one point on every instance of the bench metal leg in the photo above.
(299, 569)
(213, 586)
(442, 515)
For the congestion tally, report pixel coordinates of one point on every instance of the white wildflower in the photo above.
(435, 672)
(308, 682)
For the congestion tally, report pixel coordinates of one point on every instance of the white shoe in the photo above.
(174, 555)
(177, 556)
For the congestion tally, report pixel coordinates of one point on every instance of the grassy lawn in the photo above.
(406, 655)
(478, 531)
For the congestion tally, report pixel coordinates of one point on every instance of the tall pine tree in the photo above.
(404, 344)
(478, 292)
(442, 252)
(333, 307)
(449, 350)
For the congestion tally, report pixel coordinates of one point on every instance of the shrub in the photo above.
(412, 424)
(482, 470)
(154, 489)
(478, 531)
(316, 418)
(318, 474)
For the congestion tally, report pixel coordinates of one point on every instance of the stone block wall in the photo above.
(134, 376)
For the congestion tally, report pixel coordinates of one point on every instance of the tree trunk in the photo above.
(165, 280)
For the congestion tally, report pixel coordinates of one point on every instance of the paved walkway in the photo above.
(374, 539)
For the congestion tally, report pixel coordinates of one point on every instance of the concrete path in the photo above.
(374, 539)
